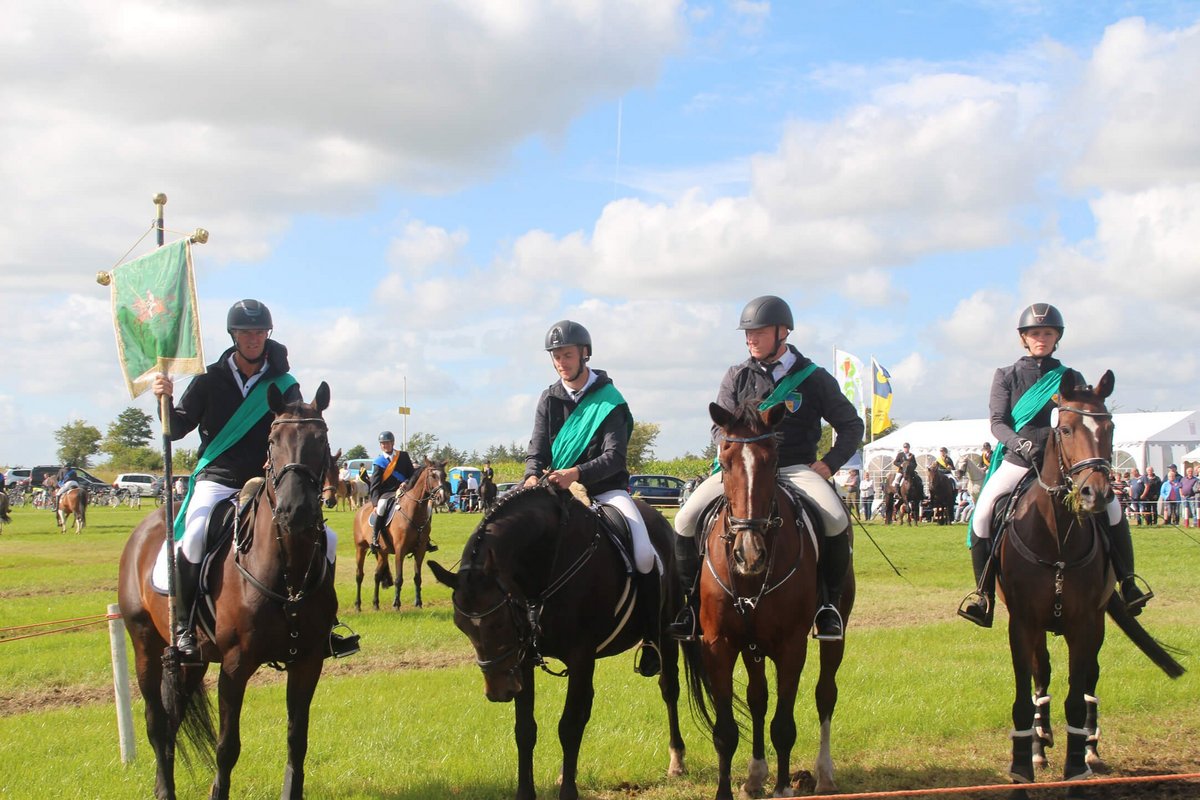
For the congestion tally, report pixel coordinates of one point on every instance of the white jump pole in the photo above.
(120, 668)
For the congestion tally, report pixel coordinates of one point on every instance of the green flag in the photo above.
(155, 316)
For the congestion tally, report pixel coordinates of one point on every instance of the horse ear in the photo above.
(337, 455)
(322, 398)
(275, 399)
(1070, 381)
(1107, 382)
(443, 575)
(772, 415)
(720, 415)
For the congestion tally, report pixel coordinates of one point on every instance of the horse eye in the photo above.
(1065, 431)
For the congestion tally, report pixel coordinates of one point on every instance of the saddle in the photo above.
(389, 510)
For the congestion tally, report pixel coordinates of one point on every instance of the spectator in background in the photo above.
(867, 490)
(1187, 491)
(1120, 489)
(1152, 485)
(963, 505)
(1171, 496)
(852, 490)
(473, 491)
(1136, 485)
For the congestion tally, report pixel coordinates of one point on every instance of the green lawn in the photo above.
(924, 697)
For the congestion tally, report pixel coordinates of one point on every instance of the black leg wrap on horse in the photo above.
(980, 605)
(1121, 551)
(834, 562)
(687, 567)
(1076, 766)
(649, 660)
(1021, 768)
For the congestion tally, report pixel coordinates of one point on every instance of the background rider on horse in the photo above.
(390, 476)
(810, 394)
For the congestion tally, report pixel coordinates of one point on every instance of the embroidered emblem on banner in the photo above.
(793, 401)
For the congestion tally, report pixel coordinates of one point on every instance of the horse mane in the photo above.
(476, 539)
(748, 415)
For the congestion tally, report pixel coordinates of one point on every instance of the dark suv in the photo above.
(82, 477)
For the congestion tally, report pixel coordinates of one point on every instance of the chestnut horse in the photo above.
(74, 501)
(274, 604)
(406, 534)
(539, 578)
(1056, 578)
(758, 597)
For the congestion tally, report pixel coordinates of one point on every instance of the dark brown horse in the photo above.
(942, 490)
(1056, 577)
(274, 599)
(909, 498)
(4, 508)
(758, 598)
(487, 494)
(406, 534)
(539, 578)
(74, 501)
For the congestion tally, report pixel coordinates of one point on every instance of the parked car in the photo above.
(17, 475)
(501, 488)
(141, 483)
(657, 490)
(84, 478)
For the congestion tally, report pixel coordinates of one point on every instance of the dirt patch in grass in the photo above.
(12, 704)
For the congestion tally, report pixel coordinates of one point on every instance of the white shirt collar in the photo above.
(247, 384)
(575, 395)
(783, 365)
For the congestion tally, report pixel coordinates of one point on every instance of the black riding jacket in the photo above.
(377, 487)
(1008, 385)
(602, 467)
(800, 430)
(210, 400)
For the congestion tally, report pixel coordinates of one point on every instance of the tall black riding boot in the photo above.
(686, 626)
(835, 560)
(187, 589)
(980, 605)
(649, 661)
(378, 529)
(1122, 556)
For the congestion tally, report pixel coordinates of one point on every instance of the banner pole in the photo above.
(165, 405)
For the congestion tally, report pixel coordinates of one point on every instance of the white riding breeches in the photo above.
(1002, 482)
(66, 487)
(810, 484)
(205, 497)
(644, 555)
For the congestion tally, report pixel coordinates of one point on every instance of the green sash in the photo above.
(582, 424)
(252, 409)
(1026, 408)
(786, 387)
(777, 396)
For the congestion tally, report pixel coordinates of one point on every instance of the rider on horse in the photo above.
(905, 463)
(944, 462)
(1023, 396)
(66, 481)
(590, 447)
(392, 470)
(210, 402)
(814, 395)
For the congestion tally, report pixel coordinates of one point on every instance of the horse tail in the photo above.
(1157, 652)
(191, 705)
(385, 574)
(700, 690)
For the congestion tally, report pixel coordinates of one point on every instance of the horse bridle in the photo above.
(526, 616)
(762, 524)
(309, 476)
(1069, 472)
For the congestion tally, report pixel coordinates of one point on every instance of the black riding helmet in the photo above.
(387, 436)
(765, 311)
(248, 315)
(1041, 315)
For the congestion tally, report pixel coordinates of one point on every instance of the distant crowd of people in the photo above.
(1148, 499)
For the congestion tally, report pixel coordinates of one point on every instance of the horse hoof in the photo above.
(677, 766)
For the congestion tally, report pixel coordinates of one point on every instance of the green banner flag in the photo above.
(155, 316)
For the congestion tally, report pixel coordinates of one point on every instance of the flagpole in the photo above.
(165, 404)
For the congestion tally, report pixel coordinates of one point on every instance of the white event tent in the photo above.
(1152, 438)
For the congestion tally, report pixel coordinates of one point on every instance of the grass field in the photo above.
(924, 700)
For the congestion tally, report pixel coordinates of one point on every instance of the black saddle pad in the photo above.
(389, 510)
(614, 524)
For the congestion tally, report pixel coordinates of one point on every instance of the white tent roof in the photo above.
(1148, 438)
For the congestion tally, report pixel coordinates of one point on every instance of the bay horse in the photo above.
(4, 509)
(406, 534)
(1055, 577)
(942, 489)
(758, 597)
(539, 578)
(274, 603)
(74, 501)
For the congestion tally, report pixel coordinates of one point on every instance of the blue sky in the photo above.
(419, 193)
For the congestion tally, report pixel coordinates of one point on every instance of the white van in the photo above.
(135, 483)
